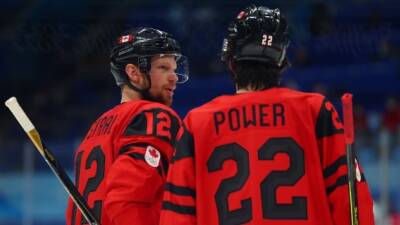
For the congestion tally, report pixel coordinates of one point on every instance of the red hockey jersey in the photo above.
(274, 157)
(121, 164)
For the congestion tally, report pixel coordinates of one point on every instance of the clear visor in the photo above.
(182, 66)
(182, 69)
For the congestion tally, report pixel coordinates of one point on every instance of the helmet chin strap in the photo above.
(144, 92)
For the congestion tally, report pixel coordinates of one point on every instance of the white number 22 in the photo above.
(267, 40)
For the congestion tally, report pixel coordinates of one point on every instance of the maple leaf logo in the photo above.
(153, 153)
(152, 156)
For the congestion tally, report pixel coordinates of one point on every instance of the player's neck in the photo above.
(239, 91)
(128, 94)
(251, 89)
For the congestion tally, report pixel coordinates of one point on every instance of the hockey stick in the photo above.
(347, 101)
(33, 134)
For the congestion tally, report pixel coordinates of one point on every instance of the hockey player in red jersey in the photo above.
(266, 155)
(121, 164)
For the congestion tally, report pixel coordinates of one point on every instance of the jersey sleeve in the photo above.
(133, 183)
(180, 191)
(330, 136)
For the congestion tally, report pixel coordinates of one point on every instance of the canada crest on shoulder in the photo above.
(152, 156)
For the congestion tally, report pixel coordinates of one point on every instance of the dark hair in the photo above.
(256, 75)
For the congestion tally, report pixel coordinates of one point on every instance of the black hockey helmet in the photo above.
(257, 34)
(137, 46)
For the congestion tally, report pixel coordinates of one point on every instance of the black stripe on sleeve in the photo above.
(164, 164)
(186, 210)
(180, 190)
(330, 170)
(139, 156)
(327, 118)
(343, 180)
(340, 181)
(184, 146)
(136, 155)
(363, 178)
(126, 148)
(160, 171)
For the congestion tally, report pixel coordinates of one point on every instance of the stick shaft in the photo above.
(51, 161)
(69, 187)
(347, 101)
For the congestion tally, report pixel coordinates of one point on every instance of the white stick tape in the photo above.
(19, 114)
